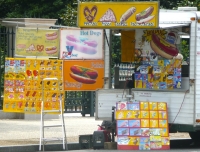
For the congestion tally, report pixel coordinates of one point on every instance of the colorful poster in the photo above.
(148, 132)
(81, 44)
(118, 14)
(85, 75)
(25, 87)
(37, 42)
(157, 59)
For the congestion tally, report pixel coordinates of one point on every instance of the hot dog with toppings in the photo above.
(145, 16)
(51, 50)
(162, 47)
(51, 36)
(83, 74)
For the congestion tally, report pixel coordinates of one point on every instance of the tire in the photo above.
(195, 136)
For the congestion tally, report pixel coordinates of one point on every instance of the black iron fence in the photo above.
(75, 101)
(7, 40)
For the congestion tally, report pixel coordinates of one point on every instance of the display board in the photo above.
(23, 89)
(81, 44)
(37, 42)
(83, 75)
(118, 15)
(142, 126)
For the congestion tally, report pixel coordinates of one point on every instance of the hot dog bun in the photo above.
(162, 47)
(83, 74)
(51, 50)
(82, 79)
(51, 36)
(145, 20)
(88, 46)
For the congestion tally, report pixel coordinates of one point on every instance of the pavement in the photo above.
(16, 133)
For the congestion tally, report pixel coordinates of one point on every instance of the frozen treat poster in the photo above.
(81, 44)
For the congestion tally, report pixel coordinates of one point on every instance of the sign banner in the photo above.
(24, 88)
(81, 44)
(118, 14)
(37, 42)
(83, 75)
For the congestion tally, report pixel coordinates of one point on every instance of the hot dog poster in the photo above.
(157, 58)
(23, 90)
(83, 75)
(118, 14)
(37, 42)
(81, 44)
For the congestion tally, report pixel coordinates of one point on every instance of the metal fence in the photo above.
(75, 101)
(7, 39)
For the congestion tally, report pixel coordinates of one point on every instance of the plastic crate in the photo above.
(86, 141)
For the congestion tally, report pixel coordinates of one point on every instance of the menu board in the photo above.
(37, 42)
(142, 126)
(81, 44)
(118, 14)
(24, 88)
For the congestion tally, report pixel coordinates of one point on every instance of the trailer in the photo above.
(184, 102)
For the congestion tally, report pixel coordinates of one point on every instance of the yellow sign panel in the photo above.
(37, 42)
(118, 14)
(23, 85)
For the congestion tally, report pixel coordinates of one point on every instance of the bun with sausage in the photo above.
(51, 50)
(145, 16)
(83, 74)
(162, 47)
(51, 36)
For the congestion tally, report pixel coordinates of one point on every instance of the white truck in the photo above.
(183, 104)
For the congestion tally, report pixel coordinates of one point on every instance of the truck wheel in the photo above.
(195, 135)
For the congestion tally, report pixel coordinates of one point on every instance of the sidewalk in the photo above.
(27, 132)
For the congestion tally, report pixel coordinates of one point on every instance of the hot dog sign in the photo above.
(118, 14)
(83, 75)
(37, 42)
(81, 44)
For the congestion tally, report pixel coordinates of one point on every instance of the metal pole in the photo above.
(91, 104)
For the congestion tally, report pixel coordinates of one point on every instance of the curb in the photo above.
(34, 148)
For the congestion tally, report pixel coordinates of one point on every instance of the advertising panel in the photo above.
(37, 42)
(81, 44)
(118, 14)
(83, 75)
(24, 88)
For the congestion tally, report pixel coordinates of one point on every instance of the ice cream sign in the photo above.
(118, 14)
(81, 44)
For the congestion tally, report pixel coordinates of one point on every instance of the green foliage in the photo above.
(185, 49)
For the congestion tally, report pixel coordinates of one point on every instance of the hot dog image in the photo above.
(51, 50)
(85, 46)
(145, 16)
(83, 74)
(127, 14)
(160, 46)
(51, 36)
